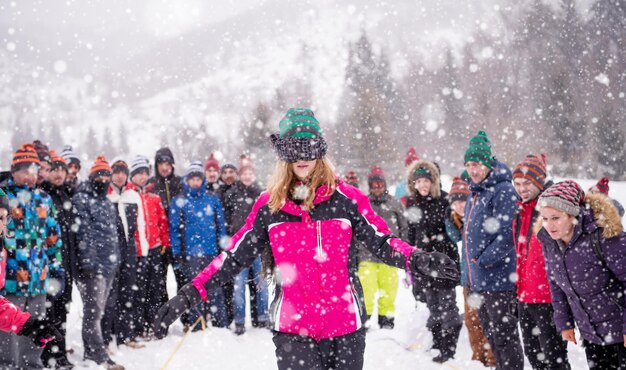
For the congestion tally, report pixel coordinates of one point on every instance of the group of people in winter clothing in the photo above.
(535, 257)
(112, 236)
(507, 276)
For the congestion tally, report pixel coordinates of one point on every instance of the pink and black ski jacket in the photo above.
(318, 293)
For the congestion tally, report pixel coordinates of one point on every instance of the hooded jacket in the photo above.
(96, 234)
(167, 188)
(318, 292)
(488, 234)
(427, 228)
(583, 291)
(196, 223)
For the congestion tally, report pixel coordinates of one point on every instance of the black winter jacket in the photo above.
(427, 231)
(96, 235)
(65, 218)
(238, 202)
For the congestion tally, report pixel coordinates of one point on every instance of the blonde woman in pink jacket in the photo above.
(306, 226)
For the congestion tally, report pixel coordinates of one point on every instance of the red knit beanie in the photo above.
(212, 163)
(601, 187)
(376, 174)
(411, 156)
(532, 168)
(566, 196)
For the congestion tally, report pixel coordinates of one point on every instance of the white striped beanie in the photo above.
(140, 163)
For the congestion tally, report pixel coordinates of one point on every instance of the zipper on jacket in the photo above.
(318, 226)
(469, 219)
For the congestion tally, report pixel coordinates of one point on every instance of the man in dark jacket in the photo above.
(238, 202)
(58, 309)
(167, 185)
(543, 345)
(98, 257)
(489, 250)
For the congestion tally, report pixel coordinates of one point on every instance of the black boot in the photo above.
(385, 322)
(448, 339)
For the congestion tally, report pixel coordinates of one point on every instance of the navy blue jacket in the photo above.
(96, 234)
(488, 237)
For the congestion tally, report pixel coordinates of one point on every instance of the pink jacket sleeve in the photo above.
(11, 317)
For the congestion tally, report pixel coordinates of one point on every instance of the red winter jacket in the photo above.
(318, 293)
(11, 318)
(155, 232)
(532, 280)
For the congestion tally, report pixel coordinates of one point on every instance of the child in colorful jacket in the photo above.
(304, 226)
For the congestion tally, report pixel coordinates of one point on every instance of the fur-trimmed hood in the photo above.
(604, 214)
(435, 190)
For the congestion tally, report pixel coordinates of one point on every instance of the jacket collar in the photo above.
(320, 196)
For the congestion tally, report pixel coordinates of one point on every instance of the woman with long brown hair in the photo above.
(307, 223)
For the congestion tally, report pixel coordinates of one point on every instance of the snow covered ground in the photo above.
(221, 349)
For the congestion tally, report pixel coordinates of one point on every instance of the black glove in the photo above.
(186, 298)
(41, 331)
(434, 264)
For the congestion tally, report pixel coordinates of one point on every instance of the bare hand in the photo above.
(570, 336)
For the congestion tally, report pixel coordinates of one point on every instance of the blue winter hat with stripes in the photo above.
(300, 137)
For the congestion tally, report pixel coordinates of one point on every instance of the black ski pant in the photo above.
(152, 290)
(294, 352)
(543, 345)
(119, 316)
(612, 356)
(498, 317)
(444, 321)
(56, 313)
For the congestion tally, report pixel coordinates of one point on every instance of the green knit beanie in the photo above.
(300, 122)
(479, 150)
(300, 137)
